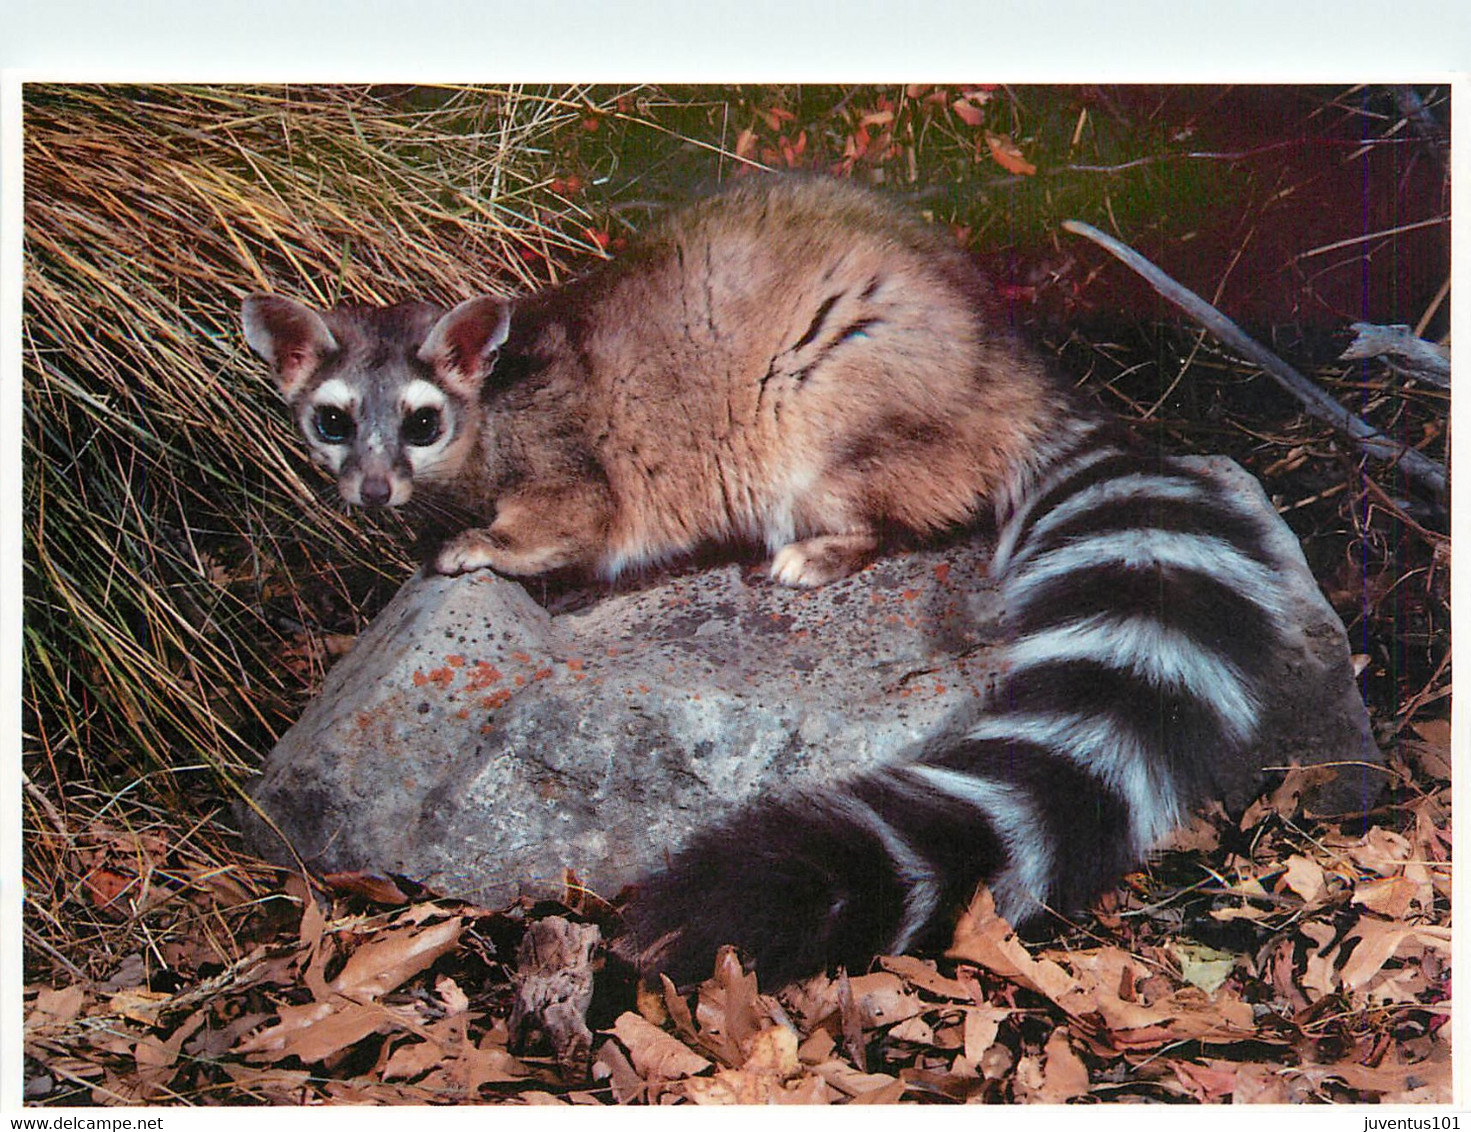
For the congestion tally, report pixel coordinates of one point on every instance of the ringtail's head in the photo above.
(386, 397)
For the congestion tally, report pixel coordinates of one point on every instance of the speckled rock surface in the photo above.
(476, 743)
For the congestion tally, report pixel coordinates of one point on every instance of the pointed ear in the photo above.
(293, 338)
(462, 344)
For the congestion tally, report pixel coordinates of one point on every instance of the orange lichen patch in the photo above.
(574, 666)
(521, 657)
(542, 674)
(455, 660)
(911, 595)
(942, 573)
(496, 700)
(444, 677)
(482, 676)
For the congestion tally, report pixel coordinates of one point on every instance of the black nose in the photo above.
(376, 491)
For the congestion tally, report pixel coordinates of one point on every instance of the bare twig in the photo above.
(1383, 234)
(1424, 360)
(1416, 465)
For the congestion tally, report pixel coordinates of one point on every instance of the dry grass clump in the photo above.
(176, 553)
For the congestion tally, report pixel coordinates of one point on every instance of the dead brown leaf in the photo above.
(726, 1008)
(851, 1082)
(655, 1055)
(984, 938)
(1305, 878)
(1065, 1075)
(394, 957)
(882, 999)
(921, 973)
(53, 1010)
(1007, 154)
(1211, 1081)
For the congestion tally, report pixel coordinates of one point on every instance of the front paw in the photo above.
(467, 551)
(826, 558)
(488, 549)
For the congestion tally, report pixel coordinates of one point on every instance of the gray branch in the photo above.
(1423, 360)
(1318, 403)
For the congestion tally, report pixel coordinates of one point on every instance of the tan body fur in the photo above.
(792, 362)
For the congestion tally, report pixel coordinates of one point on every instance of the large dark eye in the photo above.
(422, 427)
(333, 425)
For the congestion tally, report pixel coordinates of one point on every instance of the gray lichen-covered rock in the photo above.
(476, 743)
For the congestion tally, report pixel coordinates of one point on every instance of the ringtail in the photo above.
(794, 363)
(801, 364)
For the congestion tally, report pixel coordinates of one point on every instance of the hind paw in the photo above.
(826, 558)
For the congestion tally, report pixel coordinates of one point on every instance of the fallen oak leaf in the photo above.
(155, 1059)
(612, 1065)
(922, 974)
(346, 1010)
(982, 1024)
(741, 1087)
(1305, 878)
(968, 112)
(313, 933)
(387, 962)
(371, 886)
(1064, 1074)
(915, 1030)
(1202, 966)
(770, 1060)
(412, 1059)
(1208, 1082)
(314, 1031)
(657, 1056)
(855, 1083)
(1007, 154)
(1389, 896)
(772, 1050)
(54, 1010)
(984, 938)
(1379, 941)
(726, 1008)
(489, 1062)
(881, 1000)
(818, 1047)
(891, 1093)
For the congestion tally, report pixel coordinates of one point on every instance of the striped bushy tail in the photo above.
(1139, 600)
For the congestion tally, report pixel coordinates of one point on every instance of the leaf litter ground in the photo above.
(1257, 959)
